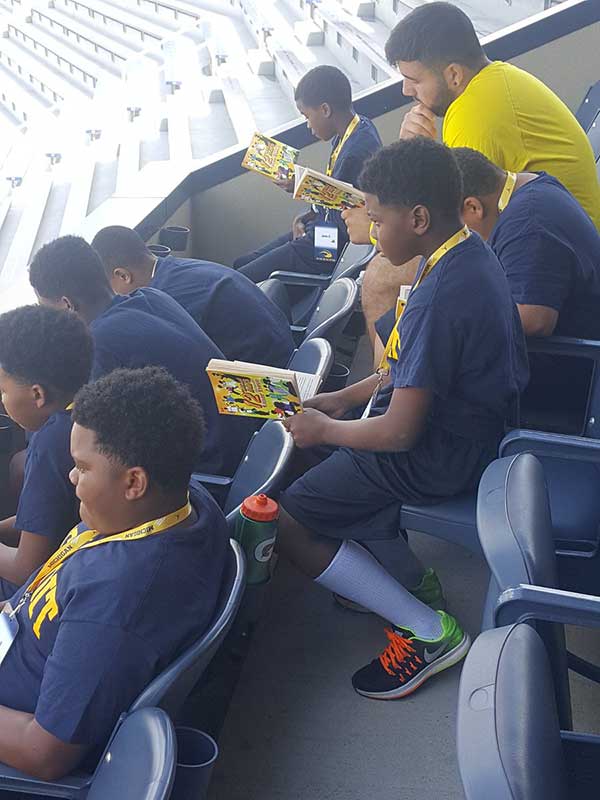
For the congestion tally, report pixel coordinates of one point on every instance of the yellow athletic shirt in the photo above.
(521, 125)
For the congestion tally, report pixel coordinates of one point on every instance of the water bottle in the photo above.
(255, 530)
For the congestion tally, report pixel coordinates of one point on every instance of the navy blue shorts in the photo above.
(357, 494)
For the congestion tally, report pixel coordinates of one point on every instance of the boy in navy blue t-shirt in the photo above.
(550, 250)
(146, 328)
(324, 97)
(230, 309)
(96, 627)
(457, 362)
(45, 357)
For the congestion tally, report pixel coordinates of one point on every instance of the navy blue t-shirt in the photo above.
(93, 635)
(47, 503)
(550, 251)
(461, 338)
(230, 309)
(149, 328)
(360, 145)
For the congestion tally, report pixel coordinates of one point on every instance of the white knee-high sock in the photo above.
(355, 574)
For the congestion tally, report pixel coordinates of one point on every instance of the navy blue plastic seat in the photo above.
(588, 115)
(168, 690)
(314, 356)
(277, 293)
(305, 289)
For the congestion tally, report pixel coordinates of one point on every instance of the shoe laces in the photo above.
(399, 659)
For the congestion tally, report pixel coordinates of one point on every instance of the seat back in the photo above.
(314, 356)
(354, 258)
(588, 116)
(278, 294)
(508, 735)
(333, 311)
(170, 689)
(263, 467)
(140, 761)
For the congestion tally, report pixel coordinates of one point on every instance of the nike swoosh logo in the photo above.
(429, 657)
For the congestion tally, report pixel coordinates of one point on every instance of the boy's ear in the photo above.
(136, 483)
(421, 220)
(473, 208)
(68, 304)
(39, 395)
(326, 110)
(123, 275)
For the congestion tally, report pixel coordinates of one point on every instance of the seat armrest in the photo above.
(565, 346)
(302, 279)
(551, 445)
(212, 480)
(525, 602)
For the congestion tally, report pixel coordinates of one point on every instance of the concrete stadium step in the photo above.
(20, 98)
(112, 22)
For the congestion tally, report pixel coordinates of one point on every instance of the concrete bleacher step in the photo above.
(129, 158)
(260, 61)
(308, 33)
(20, 98)
(80, 191)
(52, 83)
(101, 50)
(178, 126)
(111, 22)
(239, 109)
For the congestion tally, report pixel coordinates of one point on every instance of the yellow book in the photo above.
(253, 390)
(323, 190)
(268, 157)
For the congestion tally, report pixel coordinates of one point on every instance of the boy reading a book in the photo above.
(145, 328)
(139, 584)
(454, 364)
(45, 358)
(324, 98)
(230, 309)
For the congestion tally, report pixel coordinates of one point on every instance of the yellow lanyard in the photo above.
(507, 192)
(354, 122)
(83, 541)
(393, 343)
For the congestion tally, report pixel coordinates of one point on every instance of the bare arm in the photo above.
(538, 320)
(9, 534)
(398, 429)
(26, 746)
(17, 563)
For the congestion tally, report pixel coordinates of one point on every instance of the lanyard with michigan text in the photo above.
(86, 539)
(354, 122)
(507, 192)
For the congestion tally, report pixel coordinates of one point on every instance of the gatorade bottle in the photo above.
(255, 530)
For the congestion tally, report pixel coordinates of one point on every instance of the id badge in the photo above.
(9, 627)
(326, 243)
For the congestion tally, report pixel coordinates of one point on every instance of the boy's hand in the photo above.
(308, 429)
(328, 403)
(287, 184)
(358, 224)
(419, 121)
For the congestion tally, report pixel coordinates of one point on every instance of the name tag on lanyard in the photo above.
(326, 242)
(9, 628)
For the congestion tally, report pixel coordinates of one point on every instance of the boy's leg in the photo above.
(296, 255)
(266, 248)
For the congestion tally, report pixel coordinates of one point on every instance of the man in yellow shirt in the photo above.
(504, 112)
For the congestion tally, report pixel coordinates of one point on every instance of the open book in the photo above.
(322, 190)
(273, 159)
(253, 390)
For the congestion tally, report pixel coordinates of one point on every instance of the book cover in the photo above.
(323, 190)
(251, 390)
(270, 158)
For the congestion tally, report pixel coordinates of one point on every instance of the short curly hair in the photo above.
(44, 346)
(415, 172)
(481, 177)
(119, 246)
(324, 84)
(145, 418)
(68, 267)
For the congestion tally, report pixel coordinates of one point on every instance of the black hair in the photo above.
(436, 34)
(68, 267)
(45, 346)
(324, 84)
(119, 246)
(144, 418)
(481, 176)
(415, 172)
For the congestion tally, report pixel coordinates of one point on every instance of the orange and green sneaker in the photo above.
(407, 661)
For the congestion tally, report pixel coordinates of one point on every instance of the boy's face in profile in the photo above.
(99, 483)
(23, 403)
(318, 120)
(395, 230)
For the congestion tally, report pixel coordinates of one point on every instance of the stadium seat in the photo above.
(168, 691)
(588, 115)
(314, 356)
(572, 469)
(141, 756)
(332, 313)
(509, 741)
(277, 293)
(306, 289)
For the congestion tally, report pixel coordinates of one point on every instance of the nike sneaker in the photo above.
(429, 591)
(408, 661)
